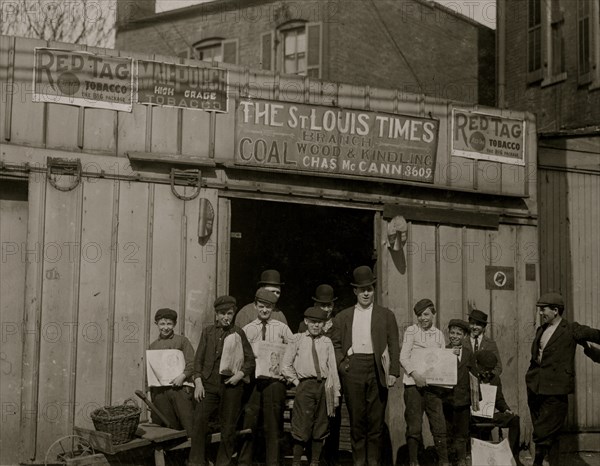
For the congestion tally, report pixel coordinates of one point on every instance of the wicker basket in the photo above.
(119, 421)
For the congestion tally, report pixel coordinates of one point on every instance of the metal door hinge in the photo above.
(57, 167)
(191, 177)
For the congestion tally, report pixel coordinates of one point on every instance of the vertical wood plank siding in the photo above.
(570, 260)
(105, 256)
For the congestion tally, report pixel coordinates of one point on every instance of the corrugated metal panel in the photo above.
(163, 130)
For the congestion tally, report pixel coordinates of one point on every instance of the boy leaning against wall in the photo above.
(174, 401)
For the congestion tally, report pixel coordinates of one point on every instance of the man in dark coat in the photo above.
(360, 337)
(551, 374)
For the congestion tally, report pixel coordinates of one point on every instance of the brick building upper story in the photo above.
(549, 61)
(415, 46)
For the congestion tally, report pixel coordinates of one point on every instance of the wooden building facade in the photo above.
(98, 231)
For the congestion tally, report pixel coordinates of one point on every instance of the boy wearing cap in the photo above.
(477, 323)
(174, 401)
(457, 403)
(270, 280)
(551, 374)
(268, 393)
(323, 299)
(503, 417)
(216, 391)
(309, 363)
(418, 396)
(361, 334)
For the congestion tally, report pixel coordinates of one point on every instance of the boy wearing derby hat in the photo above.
(485, 363)
(268, 393)
(219, 388)
(270, 280)
(175, 400)
(309, 363)
(457, 403)
(418, 396)
(361, 334)
(478, 321)
(551, 374)
(323, 299)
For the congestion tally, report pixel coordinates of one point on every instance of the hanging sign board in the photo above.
(83, 79)
(311, 138)
(478, 135)
(499, 278)
(181, 86)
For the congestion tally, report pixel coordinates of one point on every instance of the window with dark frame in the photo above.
(534, 40)
(557, 39)
(294, 50)
(583, 41)
(209, 50)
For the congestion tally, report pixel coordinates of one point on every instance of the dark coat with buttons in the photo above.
(555, 373)
(210, 349)
(460, 395)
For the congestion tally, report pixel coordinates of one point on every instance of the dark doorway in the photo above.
(308, 244)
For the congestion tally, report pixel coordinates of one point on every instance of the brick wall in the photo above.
(561, 105)
(397, 44)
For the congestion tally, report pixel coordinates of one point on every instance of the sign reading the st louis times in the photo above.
(83, 79)
(483, 136)
(182, 86)
(311, 138)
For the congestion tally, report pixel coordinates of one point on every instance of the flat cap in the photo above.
(223, 303)
(165, 313)
(478, 316)
(315, 313)
(550, 299)
(266, 296)
(460, 324)
(486, 359)
(422, 305)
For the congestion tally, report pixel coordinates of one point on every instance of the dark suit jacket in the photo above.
(555, 375)
(210, 349)
(460, 395)
(384, 332)
(487, 344)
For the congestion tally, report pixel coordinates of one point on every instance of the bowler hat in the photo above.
(363, 276)
(315, 313)
(266, 296)
(459, 323)
(478, 316)
(422, 305)
(324, 294)
(165, 313)
(486, 359)
(550, 299)
(270, 277)
(224, 303)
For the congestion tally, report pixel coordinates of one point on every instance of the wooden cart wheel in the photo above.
(69, 446)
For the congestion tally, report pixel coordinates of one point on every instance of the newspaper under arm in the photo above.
(162, 366)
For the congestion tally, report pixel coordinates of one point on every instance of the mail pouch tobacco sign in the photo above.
(83, 79)
(312, 138)
(182, 86)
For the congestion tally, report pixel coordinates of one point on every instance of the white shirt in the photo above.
(545, 338)
(479, 340)
(276, 332)
(361, 330)
(415, 337)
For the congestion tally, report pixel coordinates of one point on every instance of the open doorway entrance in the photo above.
(308, 244)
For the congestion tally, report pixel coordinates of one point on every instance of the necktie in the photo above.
(476, 345)
(264, 330)
(316, 360)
